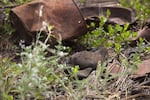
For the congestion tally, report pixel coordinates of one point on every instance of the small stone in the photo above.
(84, 73)
(88, 59)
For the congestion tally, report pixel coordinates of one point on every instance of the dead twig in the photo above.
(135, 96)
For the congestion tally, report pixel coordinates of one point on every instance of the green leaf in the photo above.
(110, 30)
(126, 26)
(108, 13)
(148, 48)
(134, 68)
(125, 35)
(7, 97)
(109, 44)
(102, 21)
(92, 24)
(75, 70)
(117, 48)
(118, 28)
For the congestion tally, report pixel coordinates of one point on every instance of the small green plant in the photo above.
(117, 36)
(36, 76)
(7, 77)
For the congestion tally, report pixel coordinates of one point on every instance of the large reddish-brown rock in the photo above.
(33, 17)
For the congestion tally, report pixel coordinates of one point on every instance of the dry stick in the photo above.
(142, 87)
(134, 96)
(143, 83)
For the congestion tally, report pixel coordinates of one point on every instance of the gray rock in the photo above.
(88, 59)
(84, 73)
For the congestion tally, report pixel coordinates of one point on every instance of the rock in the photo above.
(114, 68)
(119, 15)
(117, 20)
(88, 59)
(143, 69)
(86, 3)
(38, 15)
(143, 33)
(84, 73)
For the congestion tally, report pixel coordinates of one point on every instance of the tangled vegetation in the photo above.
(38, 75)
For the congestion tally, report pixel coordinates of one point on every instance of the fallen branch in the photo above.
(135, 96)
